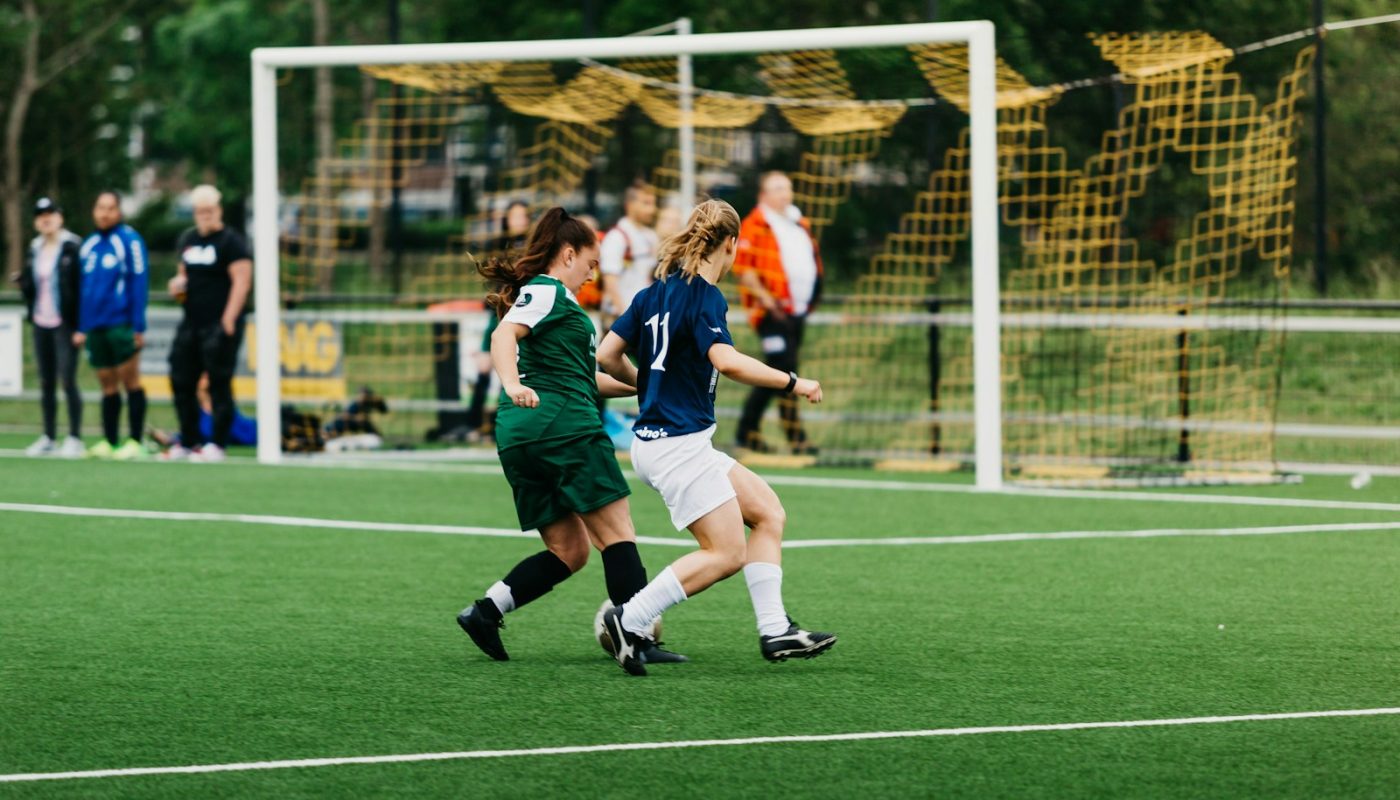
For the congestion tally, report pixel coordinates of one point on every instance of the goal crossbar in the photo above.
(979, 35)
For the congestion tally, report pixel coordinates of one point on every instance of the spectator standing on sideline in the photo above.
(627, 258)
(515, 226)
(112, 322)
(780, 273)
(215, 274)
(51, 284)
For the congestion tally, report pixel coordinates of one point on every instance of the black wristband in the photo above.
(792, 383)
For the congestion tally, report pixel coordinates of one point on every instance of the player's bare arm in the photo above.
(612, 357)
(505, 345)
(736, 366)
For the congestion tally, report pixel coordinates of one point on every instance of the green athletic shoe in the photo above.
(103, 450)
(131, 450)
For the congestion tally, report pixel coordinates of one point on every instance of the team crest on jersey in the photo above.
(524, 300)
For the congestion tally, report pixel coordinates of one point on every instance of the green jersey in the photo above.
(558, 359)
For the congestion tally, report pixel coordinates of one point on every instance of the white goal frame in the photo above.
(979, 35)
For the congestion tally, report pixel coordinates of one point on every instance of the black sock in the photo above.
(535, 576)
(623, 571)
(136, 413)
(111, 416)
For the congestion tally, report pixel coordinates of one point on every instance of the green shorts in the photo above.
(553, 478)
(110, 347)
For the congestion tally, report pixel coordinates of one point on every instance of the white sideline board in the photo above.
(11, 354)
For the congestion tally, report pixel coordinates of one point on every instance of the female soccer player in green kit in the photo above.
(558, 460)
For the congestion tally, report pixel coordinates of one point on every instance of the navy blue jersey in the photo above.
(671, 326)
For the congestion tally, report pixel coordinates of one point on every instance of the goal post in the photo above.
(978, 36)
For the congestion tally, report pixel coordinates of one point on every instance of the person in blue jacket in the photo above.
(112, 323)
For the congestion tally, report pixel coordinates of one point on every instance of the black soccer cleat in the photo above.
(627, 646)
(483, 622)
(795, 643)
(654, 653)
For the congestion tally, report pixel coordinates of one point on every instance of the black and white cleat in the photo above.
(795, 643)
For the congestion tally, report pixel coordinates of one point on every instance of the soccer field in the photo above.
(294, 627)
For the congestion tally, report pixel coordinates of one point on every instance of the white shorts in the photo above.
(691, 475)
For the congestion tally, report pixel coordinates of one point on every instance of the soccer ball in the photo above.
(601, 634)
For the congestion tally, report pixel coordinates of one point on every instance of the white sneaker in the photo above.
(176, 452)
(209, 454)
(72, 448)
(42, 446)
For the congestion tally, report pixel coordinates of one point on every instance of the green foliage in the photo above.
(1363, 112)
(205, 120)
(76, 131)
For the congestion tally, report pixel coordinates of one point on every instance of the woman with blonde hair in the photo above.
(677, 330)
(559, 462)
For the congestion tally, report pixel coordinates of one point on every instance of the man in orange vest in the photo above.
(780, 274)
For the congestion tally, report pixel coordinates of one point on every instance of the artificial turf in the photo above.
(138, 642)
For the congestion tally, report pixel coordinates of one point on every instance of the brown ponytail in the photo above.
(506, 274)
(709, 225)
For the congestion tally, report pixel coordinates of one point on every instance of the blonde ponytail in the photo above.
(712, 222)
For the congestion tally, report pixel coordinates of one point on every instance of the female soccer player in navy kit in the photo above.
(676, 329)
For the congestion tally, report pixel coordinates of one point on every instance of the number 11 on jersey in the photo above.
(660, 339)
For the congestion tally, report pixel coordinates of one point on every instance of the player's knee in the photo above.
(730, 558)
(771, 520)
(776, 517)
(574, 554)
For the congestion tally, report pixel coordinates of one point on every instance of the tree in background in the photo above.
(51, 45)
(1363, 161)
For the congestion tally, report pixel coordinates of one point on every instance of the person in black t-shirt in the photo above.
(216, 272)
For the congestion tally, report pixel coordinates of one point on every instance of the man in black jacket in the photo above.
(50, 282)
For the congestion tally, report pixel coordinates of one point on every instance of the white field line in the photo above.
(856, 484)
(1079, 494)
(1054, 536)
(300, 522)
(676, 541)
(620, 747)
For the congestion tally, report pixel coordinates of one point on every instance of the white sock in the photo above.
(664, 591)
(766, 590)
(501, 596)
